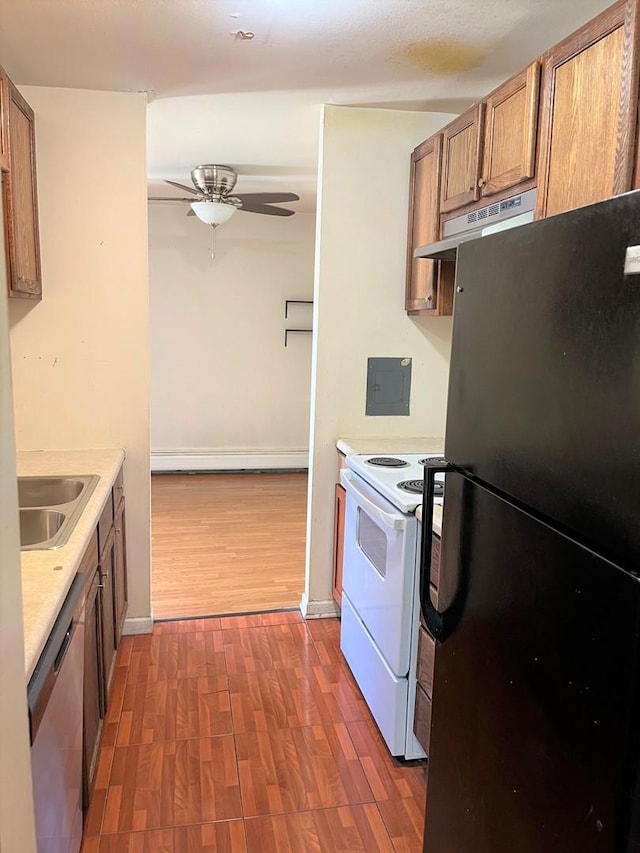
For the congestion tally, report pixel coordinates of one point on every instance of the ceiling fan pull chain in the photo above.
(213, 242)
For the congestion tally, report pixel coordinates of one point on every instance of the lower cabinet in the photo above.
(107, 561)
(338, 534)
(120, 596)
(426, 661)
(422, 718)
(424, 688)
(93, 697)
(338, 543)
(104, 618)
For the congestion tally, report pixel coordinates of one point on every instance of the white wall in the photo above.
(221, 378)
(17, 832)
(80, 356)
(360, 262)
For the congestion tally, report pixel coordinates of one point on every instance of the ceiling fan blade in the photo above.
(266, 198)
(170, 198)
(268, 209)
(182, 187)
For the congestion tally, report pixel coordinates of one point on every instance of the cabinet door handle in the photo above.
(100, 586)
(118, 529)
(104, 575)
(481, 182)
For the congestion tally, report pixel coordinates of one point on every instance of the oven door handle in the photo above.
(395, 522)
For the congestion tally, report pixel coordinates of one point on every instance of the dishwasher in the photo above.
(55, 716)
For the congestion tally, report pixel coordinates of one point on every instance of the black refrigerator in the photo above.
(535, 729)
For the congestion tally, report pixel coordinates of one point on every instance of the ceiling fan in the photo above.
(214, 203)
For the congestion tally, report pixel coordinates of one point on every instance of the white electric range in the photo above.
(380, 587)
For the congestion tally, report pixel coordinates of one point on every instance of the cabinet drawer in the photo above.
(422, 719)
(105, 523)
(426, 660)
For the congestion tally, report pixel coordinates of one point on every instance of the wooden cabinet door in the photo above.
(106, 568)
(338, 542)
(589, 99)
(429, 287)
(422, 719)
(461, 158)
(21, 201)
(120, 572)
(511, 123)
(424, 223)
(4, 121)
(426, 661)
(93, 689)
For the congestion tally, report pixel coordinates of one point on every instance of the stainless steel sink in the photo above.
(39, 525)
(49, 491)
(50, 508)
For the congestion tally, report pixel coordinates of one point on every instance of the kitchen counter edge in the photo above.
(350, 445)
(47, 575)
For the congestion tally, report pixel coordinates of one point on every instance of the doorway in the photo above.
(230, 393)
(227, 542)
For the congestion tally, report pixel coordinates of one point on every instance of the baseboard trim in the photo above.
(326, 609)
(251, 460)
(138, 625)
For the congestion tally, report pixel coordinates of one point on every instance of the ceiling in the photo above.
(254, 103)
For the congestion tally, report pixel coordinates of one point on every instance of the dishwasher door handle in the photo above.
(64, 647)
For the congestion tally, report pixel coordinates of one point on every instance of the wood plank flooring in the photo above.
(227, 543)
(246, 734)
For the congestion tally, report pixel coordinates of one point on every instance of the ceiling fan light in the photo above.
(213, 212)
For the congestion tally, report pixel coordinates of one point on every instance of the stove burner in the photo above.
(439, 459)
(415, 487)
(387, 462)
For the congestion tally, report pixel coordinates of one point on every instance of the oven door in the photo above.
(379, 569)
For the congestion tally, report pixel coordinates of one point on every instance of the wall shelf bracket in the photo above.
(288, 302)
(288, 332)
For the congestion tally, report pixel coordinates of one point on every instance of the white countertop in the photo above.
(367, 444)
(47, 575)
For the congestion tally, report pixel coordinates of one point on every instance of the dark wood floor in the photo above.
(246, 733)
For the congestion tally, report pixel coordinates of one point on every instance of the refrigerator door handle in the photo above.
(434, 620)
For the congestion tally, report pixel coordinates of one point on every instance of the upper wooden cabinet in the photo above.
(567, 124)
(21, 198)
(492, 147)
(588, 120)
(4, 121)
(429, 288)
(511, 121)
(461, 158)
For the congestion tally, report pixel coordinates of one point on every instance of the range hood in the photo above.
(508, 213)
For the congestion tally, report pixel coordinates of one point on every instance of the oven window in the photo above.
(373, 542)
